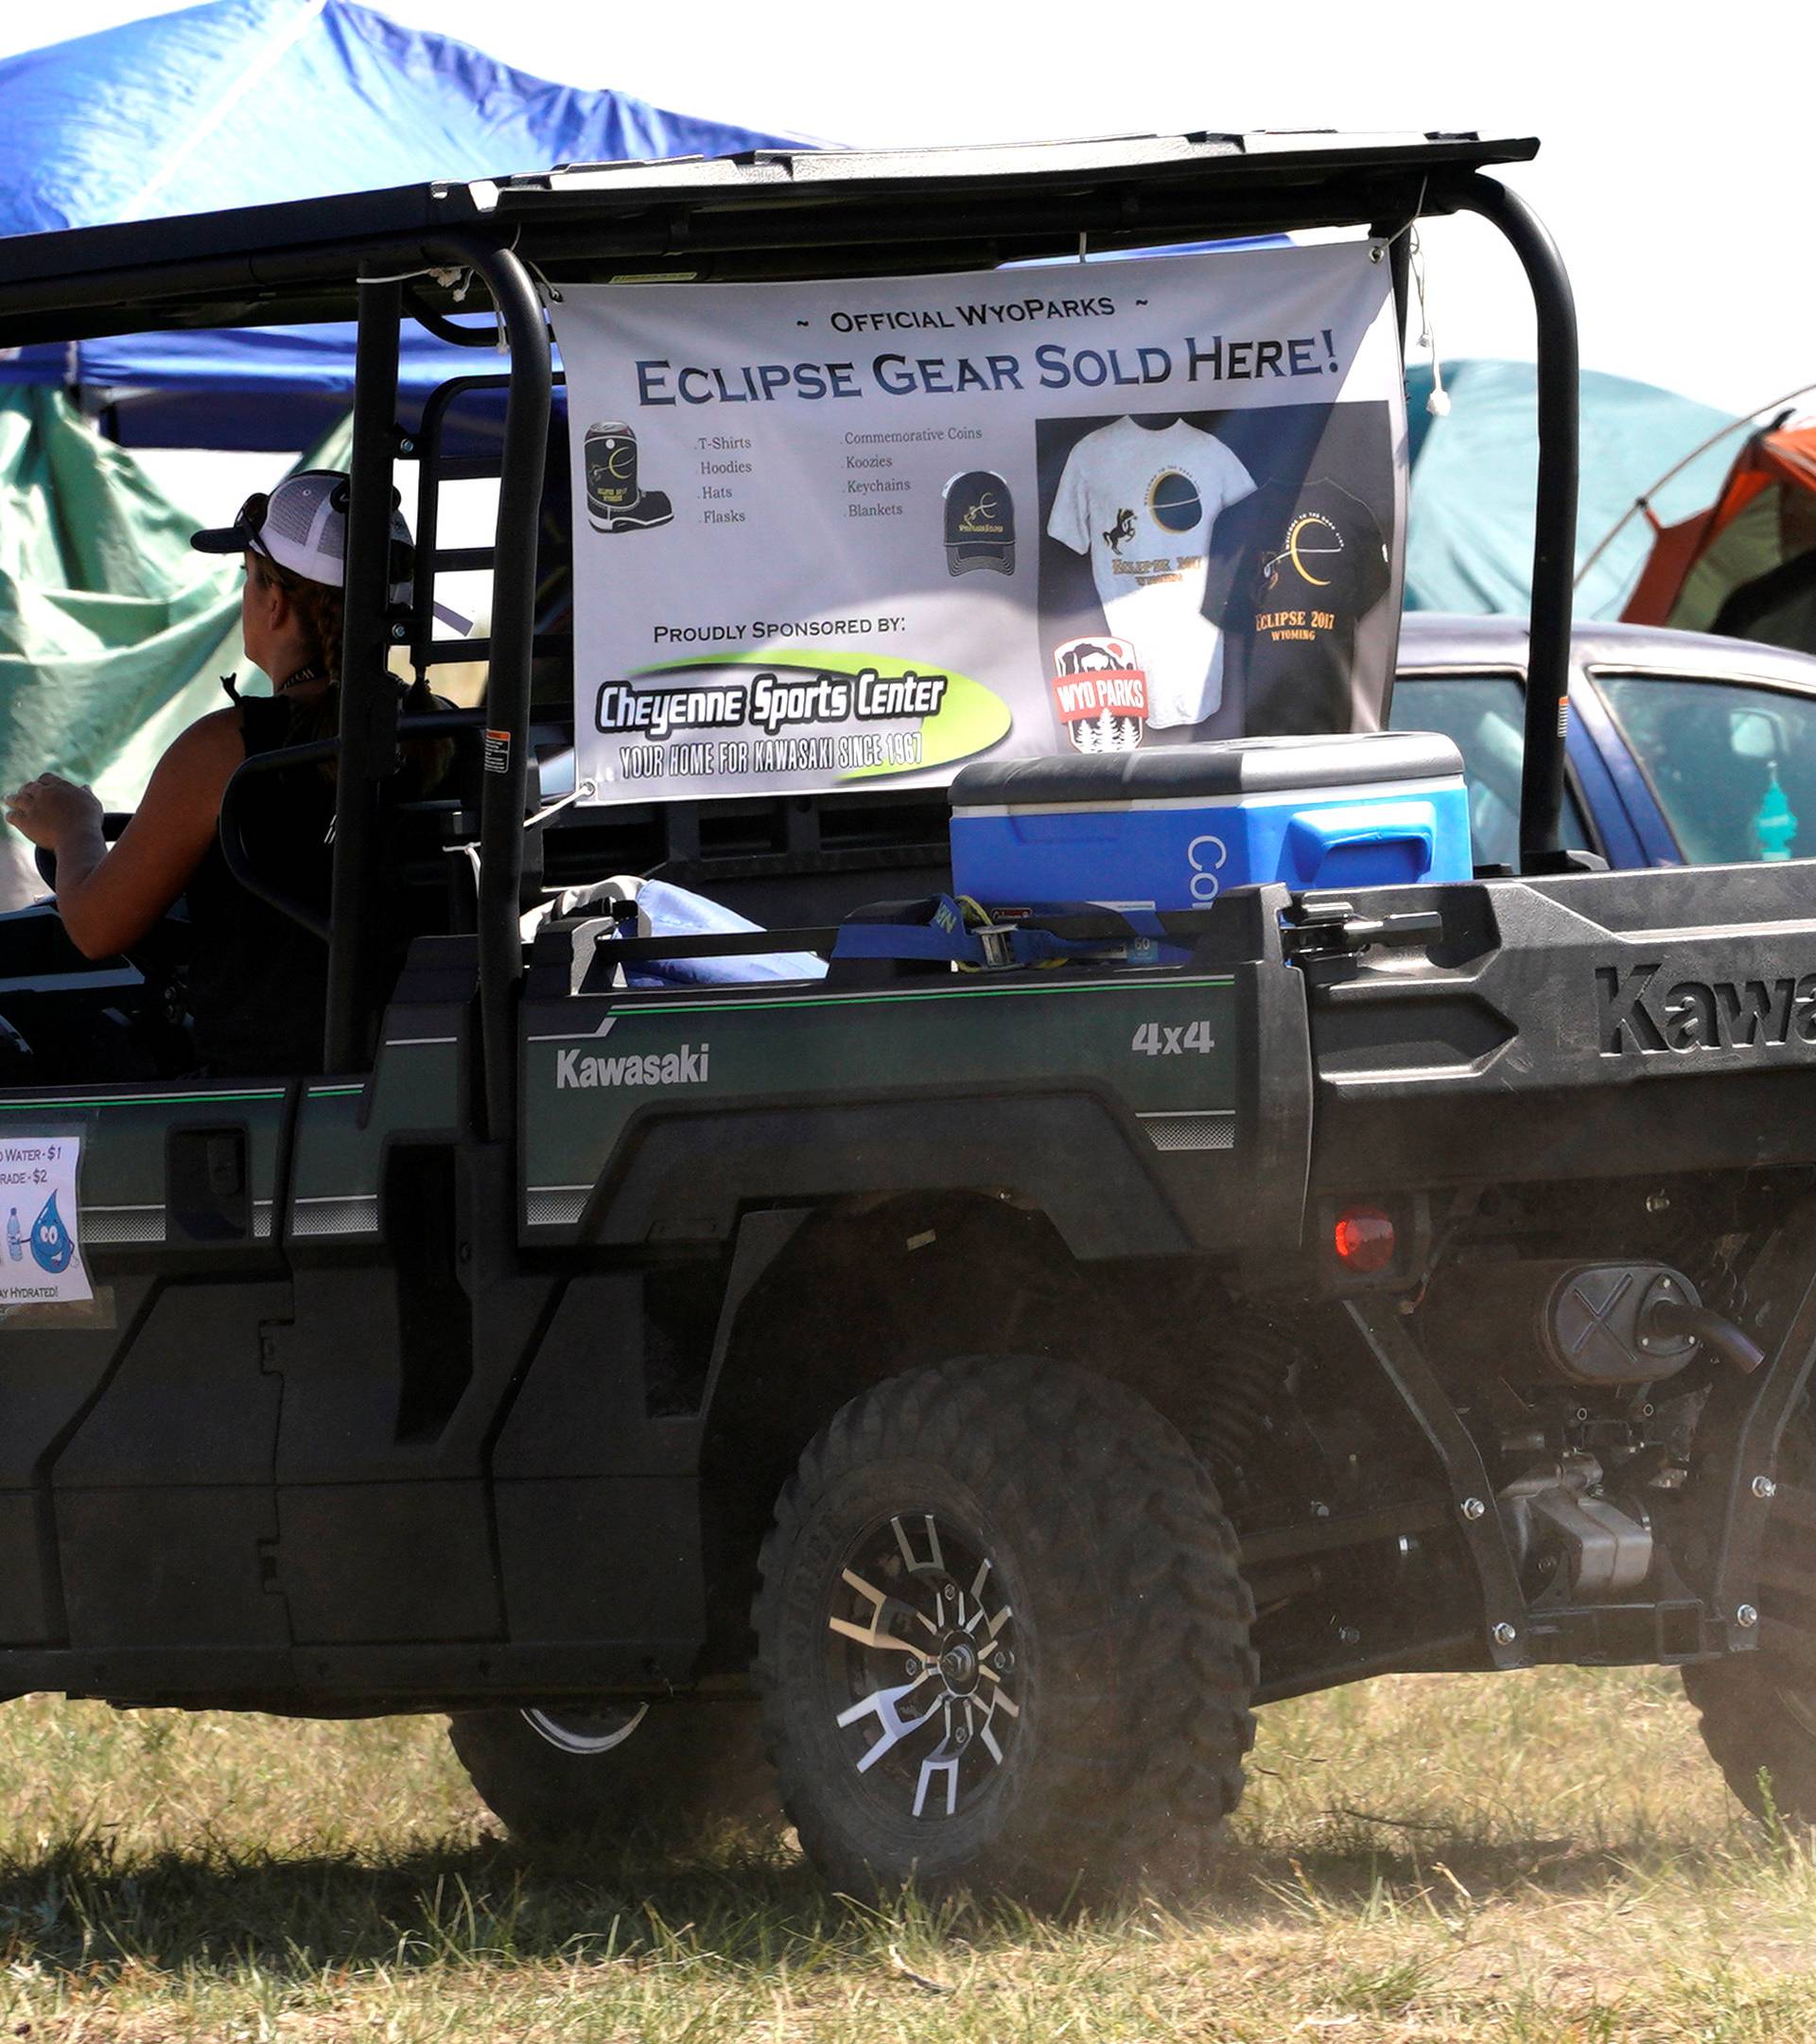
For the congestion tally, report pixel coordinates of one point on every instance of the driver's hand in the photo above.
(50, 811)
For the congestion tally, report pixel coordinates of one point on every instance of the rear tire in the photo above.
(1761, 1731)
(680, 1769)
(1757, 1710)
(1004, 1641)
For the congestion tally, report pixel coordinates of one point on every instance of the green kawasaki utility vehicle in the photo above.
(1001, 1351)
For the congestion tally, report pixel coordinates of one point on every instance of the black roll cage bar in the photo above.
(366, 749)
(590, 219)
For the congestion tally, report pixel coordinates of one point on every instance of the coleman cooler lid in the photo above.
(1224, 771)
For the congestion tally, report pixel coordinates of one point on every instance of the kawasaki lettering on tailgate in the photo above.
(1636, 1016)
(1163, 1047)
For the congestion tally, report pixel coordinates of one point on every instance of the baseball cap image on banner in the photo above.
(302, 526)
(980, 523)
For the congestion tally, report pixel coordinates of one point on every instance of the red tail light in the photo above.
(1365, 1240)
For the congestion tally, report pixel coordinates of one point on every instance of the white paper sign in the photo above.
(41, 1261)
(835, 534)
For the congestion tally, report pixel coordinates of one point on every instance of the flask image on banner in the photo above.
(616, 502)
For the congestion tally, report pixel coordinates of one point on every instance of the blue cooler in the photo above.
(1177, 826)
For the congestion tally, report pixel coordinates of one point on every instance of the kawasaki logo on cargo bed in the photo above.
(1637, 1017)
(683, 1067)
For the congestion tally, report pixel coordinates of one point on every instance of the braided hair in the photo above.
(322, 608)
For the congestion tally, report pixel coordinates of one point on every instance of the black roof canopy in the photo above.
(764, 214)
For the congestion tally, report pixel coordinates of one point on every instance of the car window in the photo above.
(1484, 715)
(1734, 768)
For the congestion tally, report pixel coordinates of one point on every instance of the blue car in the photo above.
(1684, 749)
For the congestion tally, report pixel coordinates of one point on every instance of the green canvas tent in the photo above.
(112, 632)
(1469, 543)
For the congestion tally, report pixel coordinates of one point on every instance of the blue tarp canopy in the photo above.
(246, 102)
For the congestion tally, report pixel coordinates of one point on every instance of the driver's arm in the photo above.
(110, 899)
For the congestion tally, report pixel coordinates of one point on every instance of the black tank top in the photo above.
(259, 982)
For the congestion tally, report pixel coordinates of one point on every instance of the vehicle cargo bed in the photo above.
(1585, 1026)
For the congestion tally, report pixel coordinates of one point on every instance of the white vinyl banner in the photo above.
(835, 534)
(41, 1263)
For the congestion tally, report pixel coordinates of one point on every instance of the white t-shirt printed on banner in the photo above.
(1142, 503)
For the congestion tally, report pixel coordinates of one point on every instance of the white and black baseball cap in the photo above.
(302, 526)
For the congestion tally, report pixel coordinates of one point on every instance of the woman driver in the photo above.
(257, 980)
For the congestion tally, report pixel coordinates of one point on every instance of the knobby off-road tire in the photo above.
(686, 1768)
(1002, 1642)
(1757, 1723)
(1757, 1711)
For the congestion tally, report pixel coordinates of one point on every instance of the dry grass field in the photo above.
(1545, 1856)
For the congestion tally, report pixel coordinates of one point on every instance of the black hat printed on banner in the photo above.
(980, 523)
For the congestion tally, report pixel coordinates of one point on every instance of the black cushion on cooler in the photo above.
(1232, 767)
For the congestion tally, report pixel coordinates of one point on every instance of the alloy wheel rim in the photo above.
(923, 1666)
(579, 1733)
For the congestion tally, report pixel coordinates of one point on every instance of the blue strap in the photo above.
(945, 937)
(907, 941)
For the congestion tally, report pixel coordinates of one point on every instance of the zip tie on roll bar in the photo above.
(1411, 221)
(458, 278)
(548, 808)
(450, 278)
(551, 292)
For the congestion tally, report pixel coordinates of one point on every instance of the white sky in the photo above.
(1674, 171)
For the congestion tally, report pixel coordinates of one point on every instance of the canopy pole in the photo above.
(368, 704)
(1644, 500)
(507, 688)
(1554, 524)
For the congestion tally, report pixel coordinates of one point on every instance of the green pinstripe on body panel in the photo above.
(1164, 1045)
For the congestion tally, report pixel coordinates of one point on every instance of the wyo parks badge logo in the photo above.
(1100, 691)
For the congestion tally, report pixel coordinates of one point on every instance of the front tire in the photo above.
(1004, 1641)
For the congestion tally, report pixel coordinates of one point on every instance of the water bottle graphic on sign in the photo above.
(15, 1237)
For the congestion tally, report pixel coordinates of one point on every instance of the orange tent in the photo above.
(1746, 567)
